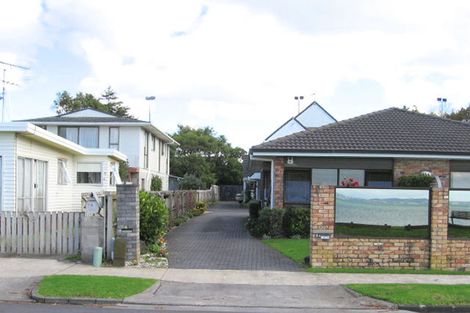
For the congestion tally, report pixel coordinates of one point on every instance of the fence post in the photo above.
(128, 219)
(439, 227)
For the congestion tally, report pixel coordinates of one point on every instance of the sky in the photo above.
(237, 65)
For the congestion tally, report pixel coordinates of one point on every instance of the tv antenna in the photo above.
(6, 82)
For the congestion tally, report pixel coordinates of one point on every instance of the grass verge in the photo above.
(77, 286)
(296, 249)
(416, 294)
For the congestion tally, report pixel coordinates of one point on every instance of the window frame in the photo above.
(451, 183)
(63, 178)
(146, 149)
(111, 144)
(92, 183)
(78, 134)
(309, 180)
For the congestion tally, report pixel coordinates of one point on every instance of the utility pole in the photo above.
(298, 98)
(5, 82)
(150, 98)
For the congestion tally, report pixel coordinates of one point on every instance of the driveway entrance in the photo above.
(219, 240)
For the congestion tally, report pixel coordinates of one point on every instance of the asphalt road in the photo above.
(45, 308)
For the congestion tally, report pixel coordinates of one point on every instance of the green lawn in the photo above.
(380, 231)
(459, 231)
(416, 294)
(298, 249)
(92, 286)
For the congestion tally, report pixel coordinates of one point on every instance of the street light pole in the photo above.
(150, 98)
(298, 98)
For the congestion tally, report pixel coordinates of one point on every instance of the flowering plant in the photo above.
(350, 182)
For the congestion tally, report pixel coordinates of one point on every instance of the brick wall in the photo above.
(458, 254)
(279, 182)
(403, 167)
(438, 252)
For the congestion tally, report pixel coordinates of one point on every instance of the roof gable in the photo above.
(388, 131)
(88, 113)
(314, 115)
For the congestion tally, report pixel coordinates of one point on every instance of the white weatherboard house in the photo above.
(41, 171)
(147, 148)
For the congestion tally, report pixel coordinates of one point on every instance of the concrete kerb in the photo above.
(82, 301)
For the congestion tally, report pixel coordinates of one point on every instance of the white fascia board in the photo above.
(107, 152)
(32, 130)
(54, 123)
(361, 155)
(154, 130)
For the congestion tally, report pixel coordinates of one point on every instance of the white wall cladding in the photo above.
(8, 155)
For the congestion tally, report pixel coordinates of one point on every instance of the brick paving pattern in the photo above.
(219, 240)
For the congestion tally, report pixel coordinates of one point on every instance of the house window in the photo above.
(460, 180)
(358, 175)
(297, 187)
(69, 133)
(31, 185)
(63, 177)
(382, 179)
(89, 173)
(84, 136)
(322, 176)
(162, 148)
(114, 138)
(153, 142)
(146, 150)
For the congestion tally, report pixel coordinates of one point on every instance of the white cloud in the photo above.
(238, 66)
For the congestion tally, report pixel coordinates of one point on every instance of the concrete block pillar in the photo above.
(128, 219)
(439, 227)
(278, 182)
(91, 236)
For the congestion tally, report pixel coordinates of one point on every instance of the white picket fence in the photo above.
(40, 233)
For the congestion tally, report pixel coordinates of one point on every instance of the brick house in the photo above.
(375, 149)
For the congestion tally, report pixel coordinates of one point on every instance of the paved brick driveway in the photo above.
(218, 240)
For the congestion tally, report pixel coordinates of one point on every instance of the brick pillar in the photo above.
(322, 224)
(279, 182)
(439, 226)
(128, 219)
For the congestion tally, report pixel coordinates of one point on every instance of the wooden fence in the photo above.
(40, 233)
(181, 201)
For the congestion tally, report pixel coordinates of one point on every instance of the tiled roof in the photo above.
(388, 131)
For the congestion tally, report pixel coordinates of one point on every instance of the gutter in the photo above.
(360, 155)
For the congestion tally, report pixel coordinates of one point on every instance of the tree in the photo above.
(207, 156)
(460, 115)
(65, 103)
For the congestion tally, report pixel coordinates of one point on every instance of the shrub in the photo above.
(154, 218)
(190, 182)
(201, 205)
(254, 208)
(268, 223)
(275, 226)
(417, 180)
(296, 222)
(124, 170)
(156, 183)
